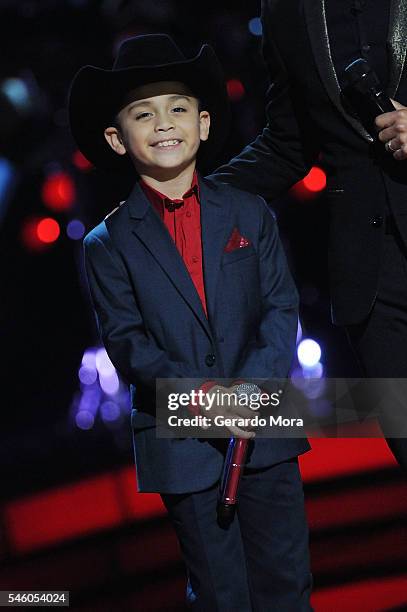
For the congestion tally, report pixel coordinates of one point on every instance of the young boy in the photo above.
(189, 280)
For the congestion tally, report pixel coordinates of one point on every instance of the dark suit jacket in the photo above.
(306, 118)
(153, 325)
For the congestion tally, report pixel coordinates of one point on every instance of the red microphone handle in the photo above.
(232, 471)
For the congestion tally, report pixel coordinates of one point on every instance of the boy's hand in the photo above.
(227, 407)
(393, 131)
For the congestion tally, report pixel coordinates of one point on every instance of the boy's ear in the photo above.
(115, 140)
(204, 123)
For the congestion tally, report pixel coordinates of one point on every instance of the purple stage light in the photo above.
(75, 229)
(89, 358)
(103, 363)
(90, 399)
(314, 388)
(110, 411)
(84, 419)
(315, 371)
(308, 352)
(87, 376)
(109, 384)
(299, 332)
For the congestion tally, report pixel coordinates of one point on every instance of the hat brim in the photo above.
(96, 94)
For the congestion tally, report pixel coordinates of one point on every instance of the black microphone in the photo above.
(365, 94)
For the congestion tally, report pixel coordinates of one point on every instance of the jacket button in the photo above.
(210, 360)
(376, 221)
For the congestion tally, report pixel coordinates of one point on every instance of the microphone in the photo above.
(365, 94)
(234, 463)
(229, 484)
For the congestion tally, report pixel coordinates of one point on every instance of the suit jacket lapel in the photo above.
(214, 223)
(149, 228)
(315, 16)
(397, 44)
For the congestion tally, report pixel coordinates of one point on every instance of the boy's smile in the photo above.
(160, 128)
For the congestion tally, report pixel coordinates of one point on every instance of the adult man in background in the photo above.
(306, 45)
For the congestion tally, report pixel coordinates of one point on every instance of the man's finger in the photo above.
(387, 134)
(401, 154)
(385, 120)
(397, 105)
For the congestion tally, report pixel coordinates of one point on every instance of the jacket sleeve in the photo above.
(133, 352)
(282, 154)
(272, 352)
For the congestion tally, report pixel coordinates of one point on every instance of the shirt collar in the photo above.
(158, 199)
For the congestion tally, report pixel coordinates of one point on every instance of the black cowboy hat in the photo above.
(97, 95)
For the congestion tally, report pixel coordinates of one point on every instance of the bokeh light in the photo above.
(48, 230)
(311, 185)
(308, 352)
(58, 191)
(299, 332)
(29, 236)
(84, 419)
(315, 371)
(235, 89)
(80, 161)
(75, 229)
(90, 399)
(103, 363)
(315, 179)
(255, 26)
(89, 358)
(87, 376)
(110, 383)
(110, 411)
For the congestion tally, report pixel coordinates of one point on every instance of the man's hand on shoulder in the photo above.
(393, 131)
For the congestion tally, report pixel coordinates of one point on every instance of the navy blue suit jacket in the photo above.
(153, 325)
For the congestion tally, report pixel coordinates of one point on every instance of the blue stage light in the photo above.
(255, 26)
(8, 181)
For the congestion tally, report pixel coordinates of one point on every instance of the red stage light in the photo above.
(48, 517)
(315, 180)
(58, 191)
(235, 89)
(29, 235)
(38, 233)
(81, 162)
(47, 230)
(105, 501)
(310, 185)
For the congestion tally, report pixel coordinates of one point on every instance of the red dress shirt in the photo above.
(182, 219)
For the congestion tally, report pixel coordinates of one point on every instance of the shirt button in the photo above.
(210, 360)
(188, 213)
(195, 258)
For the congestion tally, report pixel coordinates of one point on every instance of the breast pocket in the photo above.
(238, 255)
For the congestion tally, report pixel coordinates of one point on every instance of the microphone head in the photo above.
(361, 76)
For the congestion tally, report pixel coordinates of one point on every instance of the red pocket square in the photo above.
(236, 241)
